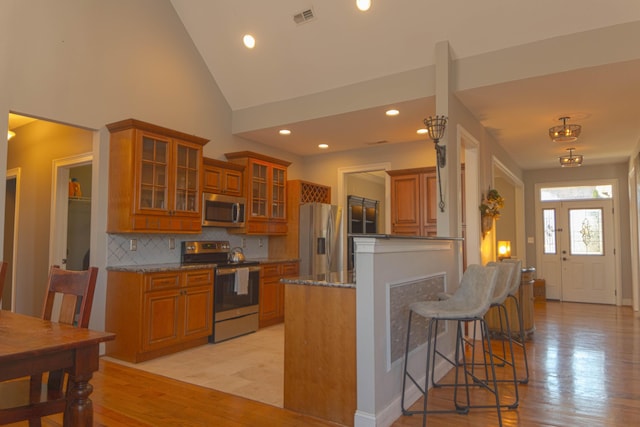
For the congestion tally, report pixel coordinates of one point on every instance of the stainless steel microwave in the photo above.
(219, 210)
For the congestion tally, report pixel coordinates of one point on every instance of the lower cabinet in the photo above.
(153, 314)
(272, 291)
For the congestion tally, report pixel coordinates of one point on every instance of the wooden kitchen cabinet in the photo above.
(414, 202)
(272, 291)
(158, 313)
(222, 177)
(266, 191)
(154, 179)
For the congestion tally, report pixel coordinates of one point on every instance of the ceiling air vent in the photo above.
(304, 16)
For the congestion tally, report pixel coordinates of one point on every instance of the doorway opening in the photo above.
(10, 224)
(44, 152)
(370, 182)
(576, 228)
(71, 212)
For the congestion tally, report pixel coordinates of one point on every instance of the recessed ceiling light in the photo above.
(284, 132)
(323, 146)
(422, 131)
(392, 112)
(249, 41)
(363, 5)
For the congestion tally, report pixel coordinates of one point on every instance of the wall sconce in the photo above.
(10, 135)
(436, 126)
(504, 249)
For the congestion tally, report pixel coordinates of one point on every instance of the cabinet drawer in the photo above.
(199, 277)
(290, 269)
(271, 270)
(154, 282)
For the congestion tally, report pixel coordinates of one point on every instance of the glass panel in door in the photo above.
(550, 232)
(186, 178)
(585, 227)
(278, 198)
(153, 174)
(259, 190)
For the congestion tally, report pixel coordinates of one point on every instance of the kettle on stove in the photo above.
(236, 255)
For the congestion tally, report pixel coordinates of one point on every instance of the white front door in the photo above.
(578, 259)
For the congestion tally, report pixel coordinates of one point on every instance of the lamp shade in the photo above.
(572, 160)
(504, 249)
(565, 132)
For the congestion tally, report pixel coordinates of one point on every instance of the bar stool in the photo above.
(470, 303)
(520, 340)
(505, 273)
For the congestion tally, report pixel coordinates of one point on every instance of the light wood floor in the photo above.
(584, 365)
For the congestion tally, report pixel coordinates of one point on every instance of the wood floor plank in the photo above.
(584, 362)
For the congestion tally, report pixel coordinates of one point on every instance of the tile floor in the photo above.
(251, 366)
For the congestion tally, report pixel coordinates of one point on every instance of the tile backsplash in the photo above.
(155, 248)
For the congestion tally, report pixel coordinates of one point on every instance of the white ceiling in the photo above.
(342, 46)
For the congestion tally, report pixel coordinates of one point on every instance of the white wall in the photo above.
(91, 62)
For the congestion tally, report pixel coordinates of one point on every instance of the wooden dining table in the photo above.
(30, 345)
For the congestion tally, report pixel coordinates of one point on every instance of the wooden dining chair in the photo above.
(73, 307)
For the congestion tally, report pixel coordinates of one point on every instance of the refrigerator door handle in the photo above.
(330, 239)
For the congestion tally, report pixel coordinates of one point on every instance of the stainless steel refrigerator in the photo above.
(319, 238)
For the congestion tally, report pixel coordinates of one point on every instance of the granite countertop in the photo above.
(399, 236)
(156, 268)
(274, 260)
(339, 279)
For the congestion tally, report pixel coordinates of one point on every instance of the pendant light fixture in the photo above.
(436, 127)
(565, 132)
(572, 160)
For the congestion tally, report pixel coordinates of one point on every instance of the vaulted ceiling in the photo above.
(344, 68)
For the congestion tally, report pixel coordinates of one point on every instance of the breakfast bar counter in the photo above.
(344, 337)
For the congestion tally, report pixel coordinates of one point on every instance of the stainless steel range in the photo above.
(235, 288)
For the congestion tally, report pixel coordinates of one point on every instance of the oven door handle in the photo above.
(232, 270)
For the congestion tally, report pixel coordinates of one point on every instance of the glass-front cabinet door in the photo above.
(278, 193)
(153, 174)
(259, 186)
(187, 178)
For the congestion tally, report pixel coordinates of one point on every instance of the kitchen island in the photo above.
(320, 346)
(345, 334)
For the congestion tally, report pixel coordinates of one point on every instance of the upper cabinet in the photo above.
(222, 177)
(266, 191)
(154, 179)
(414, 202)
